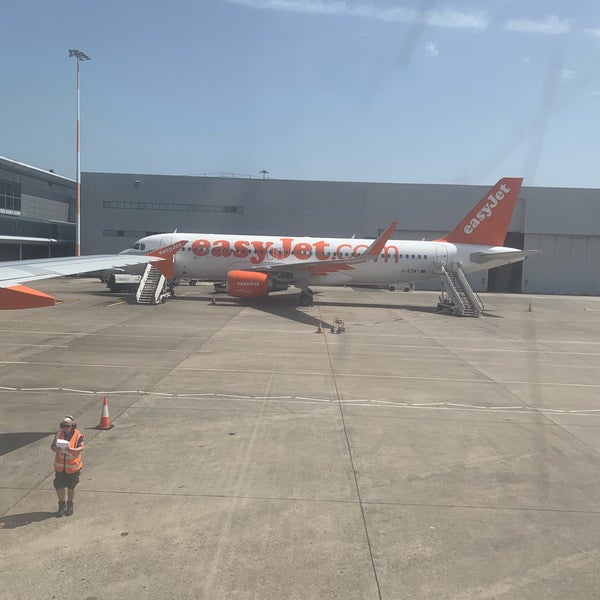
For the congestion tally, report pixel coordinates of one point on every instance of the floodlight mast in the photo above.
(79, 56)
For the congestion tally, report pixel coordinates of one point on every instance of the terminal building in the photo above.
(37, 218)
(37, 212)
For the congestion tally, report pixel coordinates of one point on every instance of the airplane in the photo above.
(255, 265)
(13, 273)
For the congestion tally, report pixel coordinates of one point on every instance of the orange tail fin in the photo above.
(488, 222)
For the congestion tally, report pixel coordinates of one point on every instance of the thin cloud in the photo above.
(551, 25)
(593, 32)
(431, 50)
(449, 18)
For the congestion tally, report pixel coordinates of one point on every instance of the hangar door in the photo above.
(565, 265)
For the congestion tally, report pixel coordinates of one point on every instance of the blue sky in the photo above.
(367, 90)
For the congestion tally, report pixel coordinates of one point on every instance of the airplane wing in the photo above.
(15, 272)
(319, 267)
(514, 255)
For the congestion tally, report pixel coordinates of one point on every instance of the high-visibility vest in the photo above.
(69, 463)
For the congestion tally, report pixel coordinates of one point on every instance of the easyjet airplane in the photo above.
(255, 265)
(13, 273)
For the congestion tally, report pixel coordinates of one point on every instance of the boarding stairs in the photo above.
(152, 286)
(458, 297)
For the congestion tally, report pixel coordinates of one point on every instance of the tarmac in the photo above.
(414, 456)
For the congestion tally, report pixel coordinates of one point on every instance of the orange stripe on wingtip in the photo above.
(20, 296)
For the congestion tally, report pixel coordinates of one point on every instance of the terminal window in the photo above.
(10, 198)
(172, 206)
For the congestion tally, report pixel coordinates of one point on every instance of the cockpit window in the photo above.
(138, 246)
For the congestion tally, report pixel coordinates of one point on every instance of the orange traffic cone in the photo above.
(319, 328)
(104, 418)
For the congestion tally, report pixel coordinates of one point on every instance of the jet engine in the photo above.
(251, 284)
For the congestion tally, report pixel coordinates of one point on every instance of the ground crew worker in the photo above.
(67, 463)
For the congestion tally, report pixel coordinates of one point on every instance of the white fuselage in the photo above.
(211, 256)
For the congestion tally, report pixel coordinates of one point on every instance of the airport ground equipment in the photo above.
(123, 282)
(151, 289)
(458, 297)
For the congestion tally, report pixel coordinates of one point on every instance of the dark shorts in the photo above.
(66, 480)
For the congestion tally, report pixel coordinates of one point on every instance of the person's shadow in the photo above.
(14, 521)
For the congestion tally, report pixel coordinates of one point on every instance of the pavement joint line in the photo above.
(322, 500)
(485, 381)
(32, 345)
(353, 466)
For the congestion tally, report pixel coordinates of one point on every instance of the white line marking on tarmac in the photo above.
(312, 399)
(591, 412)
(350, 401)
(389, 402)
(161, 350)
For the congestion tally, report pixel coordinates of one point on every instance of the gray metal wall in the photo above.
(319, 208)
(563, 223)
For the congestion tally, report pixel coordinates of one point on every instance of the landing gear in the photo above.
(306, 297)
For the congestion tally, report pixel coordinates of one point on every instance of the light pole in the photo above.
(79, 56)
